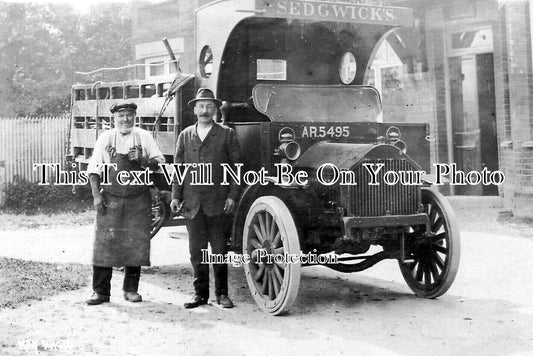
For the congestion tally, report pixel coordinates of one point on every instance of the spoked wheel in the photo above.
(159, 211)
(436, 253)
(270, 234)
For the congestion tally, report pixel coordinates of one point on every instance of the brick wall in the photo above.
(501, 86)
(514, 89)
(513, 93)
(436, 65)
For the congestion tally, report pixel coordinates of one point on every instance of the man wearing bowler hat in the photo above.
(123, 211)
(207, 207)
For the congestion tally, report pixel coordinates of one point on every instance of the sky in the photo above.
(79, 5)
(84, 5)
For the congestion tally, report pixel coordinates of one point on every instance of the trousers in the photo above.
(102, 279)
(202, 230)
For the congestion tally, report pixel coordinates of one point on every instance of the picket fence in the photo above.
(25, 141)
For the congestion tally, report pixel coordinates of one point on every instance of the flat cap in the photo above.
(121, 107)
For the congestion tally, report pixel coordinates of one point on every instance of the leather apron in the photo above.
(122, 236)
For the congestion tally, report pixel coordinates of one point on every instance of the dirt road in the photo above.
(488, 310)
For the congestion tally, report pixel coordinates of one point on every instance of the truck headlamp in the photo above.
(400, 145)
(394, 136)
(289, 148)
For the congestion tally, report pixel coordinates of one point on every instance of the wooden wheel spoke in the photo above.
(258, 233)
(438, 261)
(279, 265)
(434, 272)
(277, 273)
(432, 213)
(255, 243)
(419, 272)
(276, 282)
(268, 218)
(261, 218)
(439, 237)
(273, 229)
(427, 275)
(260, 272)
(437, 224)
(271, 294)
(264, 285)
(440, 249)
(277, 240)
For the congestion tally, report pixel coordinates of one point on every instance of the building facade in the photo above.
(173, 20)
(466, 69)
(479, 56)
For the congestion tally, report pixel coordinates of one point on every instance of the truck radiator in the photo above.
(382, 199)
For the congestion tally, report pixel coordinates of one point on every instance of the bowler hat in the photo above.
(204, 94)
(121, 107)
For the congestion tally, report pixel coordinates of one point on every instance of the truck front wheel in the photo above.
(270, 239)
(434, 255)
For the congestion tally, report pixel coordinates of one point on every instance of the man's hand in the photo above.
(175, 206)
(136, 154)
(99, 204)
(228, 205)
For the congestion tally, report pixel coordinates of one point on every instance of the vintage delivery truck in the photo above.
(292, 76)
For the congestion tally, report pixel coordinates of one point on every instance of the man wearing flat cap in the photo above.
(207, 207)
(123, 211)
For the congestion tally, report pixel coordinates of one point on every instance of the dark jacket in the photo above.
(219, 146)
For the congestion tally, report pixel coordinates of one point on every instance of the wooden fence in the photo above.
(25, 141)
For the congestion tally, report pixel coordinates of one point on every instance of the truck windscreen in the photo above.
(317, 103)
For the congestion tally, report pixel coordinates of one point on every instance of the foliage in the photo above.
(23, 196)
(42, 45)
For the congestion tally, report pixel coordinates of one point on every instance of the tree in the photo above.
(41, 45)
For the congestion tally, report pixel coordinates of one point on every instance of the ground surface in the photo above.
(487, 311)
(23, 281)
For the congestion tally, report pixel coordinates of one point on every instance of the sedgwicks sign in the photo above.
(335, 11)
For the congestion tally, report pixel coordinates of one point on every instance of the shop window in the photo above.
(397, 72)
(480, 39)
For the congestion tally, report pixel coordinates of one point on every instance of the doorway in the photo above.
(473, 113)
